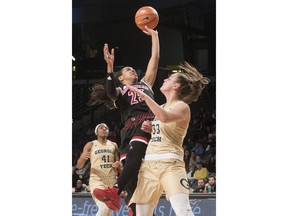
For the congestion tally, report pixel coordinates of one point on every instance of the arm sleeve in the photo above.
(110, 87)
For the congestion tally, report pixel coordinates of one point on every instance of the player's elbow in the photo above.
(156, 57)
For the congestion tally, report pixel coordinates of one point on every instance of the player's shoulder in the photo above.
(88, 145)
(182, 105)
(113, 143)
(143, 82)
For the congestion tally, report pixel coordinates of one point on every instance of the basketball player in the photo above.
(133, 112)
(105, 165)
(163, 168)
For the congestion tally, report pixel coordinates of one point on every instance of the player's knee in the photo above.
(180, 204)
(144, 210)
(183, 210)
(138, 147)
(103, 209)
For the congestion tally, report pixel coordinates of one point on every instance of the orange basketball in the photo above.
(146, 16)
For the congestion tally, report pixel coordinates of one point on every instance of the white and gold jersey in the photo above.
(166, 138)
(102, 158)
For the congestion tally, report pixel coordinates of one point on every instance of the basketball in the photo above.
(146, 16)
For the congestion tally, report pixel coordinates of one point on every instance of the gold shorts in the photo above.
(158, 176)
(102, 182)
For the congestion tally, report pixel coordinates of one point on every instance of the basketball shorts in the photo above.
(158, 176)
(102, 182)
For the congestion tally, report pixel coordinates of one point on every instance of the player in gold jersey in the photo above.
(163, 168)
(105, 165)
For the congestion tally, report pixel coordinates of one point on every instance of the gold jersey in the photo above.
(102, 158)
(166, 138)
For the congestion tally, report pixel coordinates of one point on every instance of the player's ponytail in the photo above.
(98, 96)
(192, 83)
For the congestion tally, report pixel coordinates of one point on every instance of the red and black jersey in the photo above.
(130, 104)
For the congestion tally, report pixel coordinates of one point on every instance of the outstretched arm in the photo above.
(151, 71)
(112, 91)
(181, 112)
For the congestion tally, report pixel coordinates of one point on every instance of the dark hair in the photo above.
(212, 176)
(98, 94)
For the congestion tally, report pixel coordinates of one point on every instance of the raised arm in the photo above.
(85, 155)
(152, 67)
(111, 90)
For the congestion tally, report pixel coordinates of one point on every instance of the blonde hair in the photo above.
(192, 83)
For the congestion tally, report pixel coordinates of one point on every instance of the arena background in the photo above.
(36, 106)
(187, 32)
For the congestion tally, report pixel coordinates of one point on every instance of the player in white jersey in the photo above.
(163, 168)
(105, 165)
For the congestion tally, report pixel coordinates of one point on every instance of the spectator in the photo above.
(198, 148)
(84, 173)
(189, 175)
(80, 187)
(210, 187)
(201, 172)
(187, 159)
(187, 142)
(211, 164)
(193, 161)
(211, 133)
(200, 186)
(74, 177)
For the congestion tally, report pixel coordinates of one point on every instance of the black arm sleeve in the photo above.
(110, 87)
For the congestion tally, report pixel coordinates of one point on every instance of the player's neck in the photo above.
(128, 82)
(102, 140)
(171, 99)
